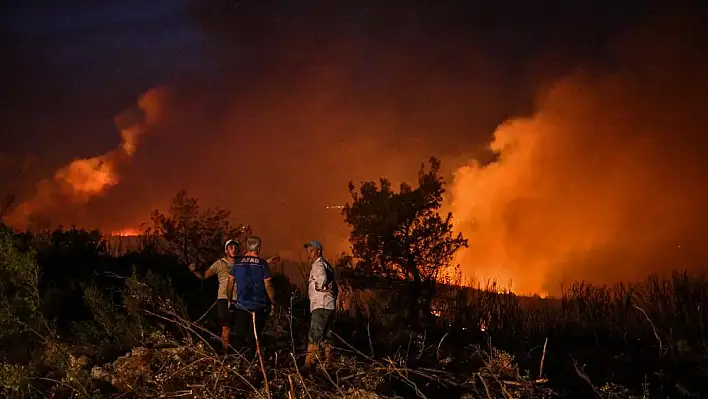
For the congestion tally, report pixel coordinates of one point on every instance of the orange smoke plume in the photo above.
(82, 179)
(604, 182)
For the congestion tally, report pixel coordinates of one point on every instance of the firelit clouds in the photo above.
(605, 181)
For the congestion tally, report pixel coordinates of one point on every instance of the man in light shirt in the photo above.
(322, 291)
(222, 268)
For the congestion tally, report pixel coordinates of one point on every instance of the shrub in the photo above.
(19, 292)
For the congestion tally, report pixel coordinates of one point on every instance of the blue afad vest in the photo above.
(249, 273)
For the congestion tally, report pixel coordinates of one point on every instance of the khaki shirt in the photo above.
(222, 269)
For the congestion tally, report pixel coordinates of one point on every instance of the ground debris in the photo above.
(143, 367)
(355, 393)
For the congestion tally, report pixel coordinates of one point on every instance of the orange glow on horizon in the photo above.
(126, 232)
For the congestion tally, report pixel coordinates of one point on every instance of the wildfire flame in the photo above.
(83, 179)
(602, 183)
(126, 232)
(86, 177)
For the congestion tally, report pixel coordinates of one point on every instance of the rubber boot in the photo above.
(329, 356)
(311, 356)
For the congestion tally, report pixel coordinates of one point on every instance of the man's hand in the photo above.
(272, 309)
(192, 267)
(232, 306)
(273, 259)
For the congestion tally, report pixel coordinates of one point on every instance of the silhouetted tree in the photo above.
(402, 235)
(195, 235)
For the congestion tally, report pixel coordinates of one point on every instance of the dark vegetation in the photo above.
(81, 318)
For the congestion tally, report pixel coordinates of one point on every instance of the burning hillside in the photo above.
(127, 232)
(605, 181)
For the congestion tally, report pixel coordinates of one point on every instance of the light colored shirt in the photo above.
(222, 269)
(322, 287)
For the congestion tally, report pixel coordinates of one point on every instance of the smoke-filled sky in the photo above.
(270, 110)
(606, 179)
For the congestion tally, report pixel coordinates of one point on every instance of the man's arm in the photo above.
(202, 276)
(230, 285)
(270, 290)
(320, 276)
(269, 285)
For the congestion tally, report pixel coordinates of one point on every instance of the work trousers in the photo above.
(321, 323)
(243, 329)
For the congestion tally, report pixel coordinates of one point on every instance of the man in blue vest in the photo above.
(254, 293)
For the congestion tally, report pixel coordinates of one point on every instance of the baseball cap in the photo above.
(228, 242)
(313, 243)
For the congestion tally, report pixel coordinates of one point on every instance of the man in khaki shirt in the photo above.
(222, 269)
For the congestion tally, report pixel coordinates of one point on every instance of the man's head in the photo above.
(314, 249)
(231, 248)
(253, 244)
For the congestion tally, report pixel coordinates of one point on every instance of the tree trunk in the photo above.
(426, 297)
(415, 293)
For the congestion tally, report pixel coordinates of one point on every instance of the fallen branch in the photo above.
(260, 355)
(584, 376)
(656, 334)
(543, 358)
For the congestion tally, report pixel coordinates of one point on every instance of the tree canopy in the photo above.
(196, 235)
(402, 234)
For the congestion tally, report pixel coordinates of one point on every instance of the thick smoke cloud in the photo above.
(278, 156)
(85, 178)
(605, 181)
(279, 145)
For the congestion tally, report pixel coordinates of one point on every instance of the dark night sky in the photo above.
(76, 64)
(275, 106)
(73, 65)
